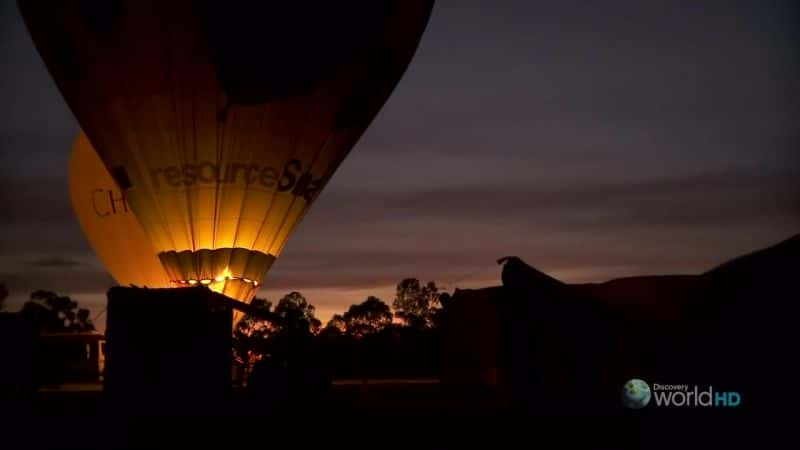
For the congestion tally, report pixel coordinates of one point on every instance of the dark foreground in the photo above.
(399, 412)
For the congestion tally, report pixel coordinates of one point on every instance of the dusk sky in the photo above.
(593, 139)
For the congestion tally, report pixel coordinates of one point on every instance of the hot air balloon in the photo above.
(221, 121)
(108, 223)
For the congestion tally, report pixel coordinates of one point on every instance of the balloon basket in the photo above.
(167, 350)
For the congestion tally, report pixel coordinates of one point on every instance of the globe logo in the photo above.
(635, 394)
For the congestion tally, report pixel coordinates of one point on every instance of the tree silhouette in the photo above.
(276, 337)
(295, 316)
(335, 327)
(55, 313)
(368, 317)
(251, 336)
(416, 304)
(288, 369)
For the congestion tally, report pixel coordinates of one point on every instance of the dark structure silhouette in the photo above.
(167, 350)
(539, 345)
(17, 356)
(49, 342)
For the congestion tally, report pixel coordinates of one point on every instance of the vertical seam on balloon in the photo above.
(232, 155)
(179, 134)
(235, 146)
(220, 140)
(184, 151)
(247, 183)
(172, 139)
(227, 150)
(194, 156)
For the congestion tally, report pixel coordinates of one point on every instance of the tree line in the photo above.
(51, 312)
(369, 339)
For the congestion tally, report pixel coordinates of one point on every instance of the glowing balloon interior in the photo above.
(222, 121)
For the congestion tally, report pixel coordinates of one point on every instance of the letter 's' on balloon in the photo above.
(222, 120)
(107, 222)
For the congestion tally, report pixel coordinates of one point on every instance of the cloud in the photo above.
(21, 282)
(36, 155)
(55, 262)
(583, 232)
(36, 200)
(696, 199)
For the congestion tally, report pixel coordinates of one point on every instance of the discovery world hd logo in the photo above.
(636, 394)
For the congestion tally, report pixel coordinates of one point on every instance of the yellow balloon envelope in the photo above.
(221, 121)
(108, 223)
